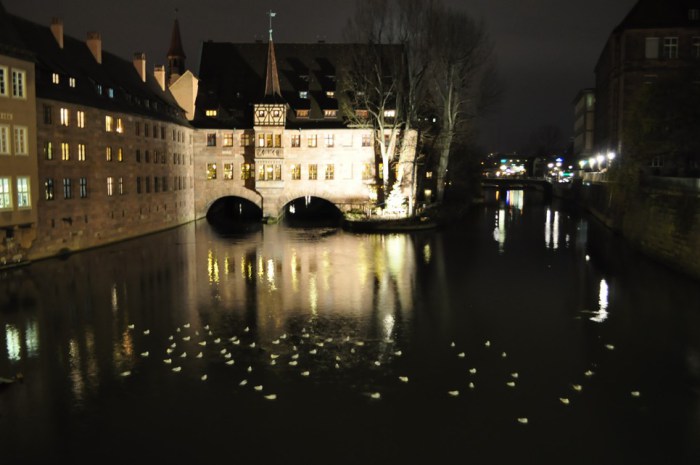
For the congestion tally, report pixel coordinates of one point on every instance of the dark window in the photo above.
(48, 189)
(211, 139)
(48, 114)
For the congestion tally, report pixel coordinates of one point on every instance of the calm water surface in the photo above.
(526, 334)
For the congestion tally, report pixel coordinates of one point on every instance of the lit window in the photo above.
(3, 81)
(313, 172)
(120, 185)
(278, 172)
(303, 94)
(330, 93)
(228, 171)
(246, 171)
(21, 147)
(367, 171)
(302, 113)
(98, 88)
(312, 140)
(211, 113)
(429, 175)
(389, 113)
(108, 153)
(83, 188)
(80, 118)
(211, 170)
(296, 140)
(366, 140)
(330, 113)
(55, 78)
(48, 150)
(120, 126)
(670, 47)
(110, 186)
(81, 152)
(261, 140)
(330, 140)
(296, 172)
(48, 189)
(65, 151)
(362, 114)
(278, 140)
(19, 78)
(120, 155)
(4, 139)
(67, 189)
(211, 139)
(65, 117)
(330, 172)
(71, 82)
(261, 172)
(23, 194)
(228, 139)
(109, 124)
(110, 92)
(5, 194)
(245, 140)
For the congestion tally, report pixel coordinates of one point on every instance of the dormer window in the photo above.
(302, 113)
(55, 78)
(110, 92)
(389, 113)
(303, 94)
(330, 113)
(99, 89)
(330, 93)
(71, 82)
(211, 113)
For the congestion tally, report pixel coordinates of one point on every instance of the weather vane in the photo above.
(271, 14)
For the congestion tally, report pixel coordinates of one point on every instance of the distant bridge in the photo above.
(541, 184)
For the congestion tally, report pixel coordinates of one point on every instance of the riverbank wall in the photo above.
(661, 218)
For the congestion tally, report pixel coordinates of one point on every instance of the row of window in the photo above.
(115, 186)
(110, 154)
(112, 124)
(668, 47)
(20, 135)
(22, 193)
(13, 82)
(273, 171)
(275, 140)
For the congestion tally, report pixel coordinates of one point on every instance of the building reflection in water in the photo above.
(289, 275)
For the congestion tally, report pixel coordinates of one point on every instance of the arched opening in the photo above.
(311, 211)
(230, 215)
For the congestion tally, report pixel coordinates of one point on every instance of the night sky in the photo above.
(547, 49)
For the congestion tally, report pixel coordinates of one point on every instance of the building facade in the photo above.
(657, 40)
(584, 124)
(113, 149)
(19, 179)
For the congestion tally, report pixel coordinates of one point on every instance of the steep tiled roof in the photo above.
(233, 76)
(114, 76)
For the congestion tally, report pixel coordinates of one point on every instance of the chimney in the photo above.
(140, 64)
(159, 73)
(57, 30)
(94, 43)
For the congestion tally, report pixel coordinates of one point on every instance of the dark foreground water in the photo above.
(526, 334)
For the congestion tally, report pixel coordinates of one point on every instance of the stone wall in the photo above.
(661, 219)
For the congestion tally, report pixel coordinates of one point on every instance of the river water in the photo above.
(527, 333)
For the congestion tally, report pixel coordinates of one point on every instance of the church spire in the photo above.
(176, 54)
(272, 80)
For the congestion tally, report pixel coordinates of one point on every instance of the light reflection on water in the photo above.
(373, 309)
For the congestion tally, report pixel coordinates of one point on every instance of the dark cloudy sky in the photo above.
(547, 49)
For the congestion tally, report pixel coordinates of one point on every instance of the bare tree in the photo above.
(462, 74)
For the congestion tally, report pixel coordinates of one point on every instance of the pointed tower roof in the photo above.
(176, 49)
(272, 80)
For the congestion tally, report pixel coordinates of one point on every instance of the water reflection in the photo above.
(511, 205)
